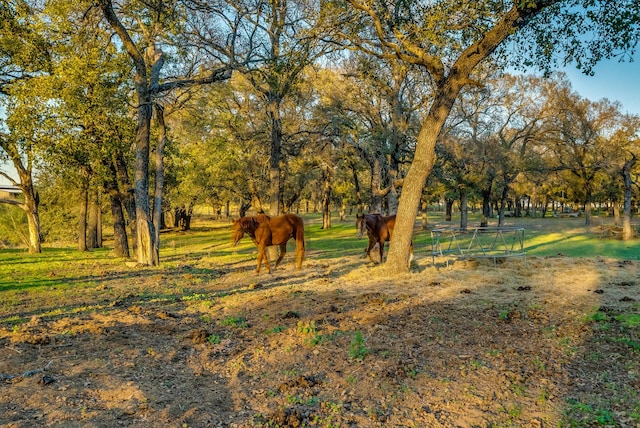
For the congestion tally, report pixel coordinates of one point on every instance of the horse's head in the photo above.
(241, 226)
(361, 225)
(236, 232)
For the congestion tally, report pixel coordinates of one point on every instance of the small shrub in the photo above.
(358, 349)
(234, 322)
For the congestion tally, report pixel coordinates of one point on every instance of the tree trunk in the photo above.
(82, 217)
(144, 225)
(447, 89)
(503, 204)
(120, 239)
(464, 214)
(244, 207)
(423, 224)
(627, 230)
(616, 214)
(448, 209)
(376, 183)
(421, 167)
(94, 237)
(326, 198)
(121, 243)
(273, 108)
(31, 202)
(31, 207)
(125, 194)
(146, 254)
(356, 185)
(588, 218)
(159, 181)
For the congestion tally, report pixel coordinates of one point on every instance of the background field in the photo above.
(553, 340)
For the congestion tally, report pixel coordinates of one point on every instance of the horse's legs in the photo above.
(381, 244)
(367, 250)
(283, 251)
(262, 254)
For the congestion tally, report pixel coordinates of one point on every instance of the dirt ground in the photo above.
(337, 344)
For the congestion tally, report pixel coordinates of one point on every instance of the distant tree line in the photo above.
(136, 111)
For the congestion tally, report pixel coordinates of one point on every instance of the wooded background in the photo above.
(121, 112)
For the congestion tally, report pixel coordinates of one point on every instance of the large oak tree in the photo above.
(450, 39)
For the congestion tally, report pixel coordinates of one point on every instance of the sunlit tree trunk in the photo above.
(94, 226)
(159, 181)
(82, 216)
(627, 230)
(275, 119)
(326, 197)
(464, 214)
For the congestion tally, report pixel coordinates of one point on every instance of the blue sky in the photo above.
(616, 81)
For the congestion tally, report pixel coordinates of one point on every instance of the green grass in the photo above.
(63, 272)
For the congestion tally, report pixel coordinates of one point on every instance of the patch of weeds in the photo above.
(291, 372)
(503, 315)
(234, 322)
(567, 344)
(411, 372)
(633, 344)
(206, 318)
(385, 353)
(193, 297)
(306, 327)
(581, 414)
(357, 348)
(352, 379)
(214, 339)
(635, 414)
(543, 396)
(539, 364)
(629, 320)
(294, 399)
(518, 389)
(276, 329)
(514, 411)
(597, 316)
(476, 364)
(316, 339)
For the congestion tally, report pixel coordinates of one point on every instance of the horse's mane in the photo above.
(248, 224)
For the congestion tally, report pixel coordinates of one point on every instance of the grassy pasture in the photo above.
(202, 341)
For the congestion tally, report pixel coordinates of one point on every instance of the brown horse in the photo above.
(379, 229)
(266, 231)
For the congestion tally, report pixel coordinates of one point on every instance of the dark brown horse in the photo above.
(379, 229)
(266, 231)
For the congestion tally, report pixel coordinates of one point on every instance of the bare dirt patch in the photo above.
(336, 344)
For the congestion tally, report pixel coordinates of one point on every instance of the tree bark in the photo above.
(326, 198)
(82, 217)
(448, 209)
(94, 237)
(627, 230)
(159, 181)
(464, 214)
(273, 108)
